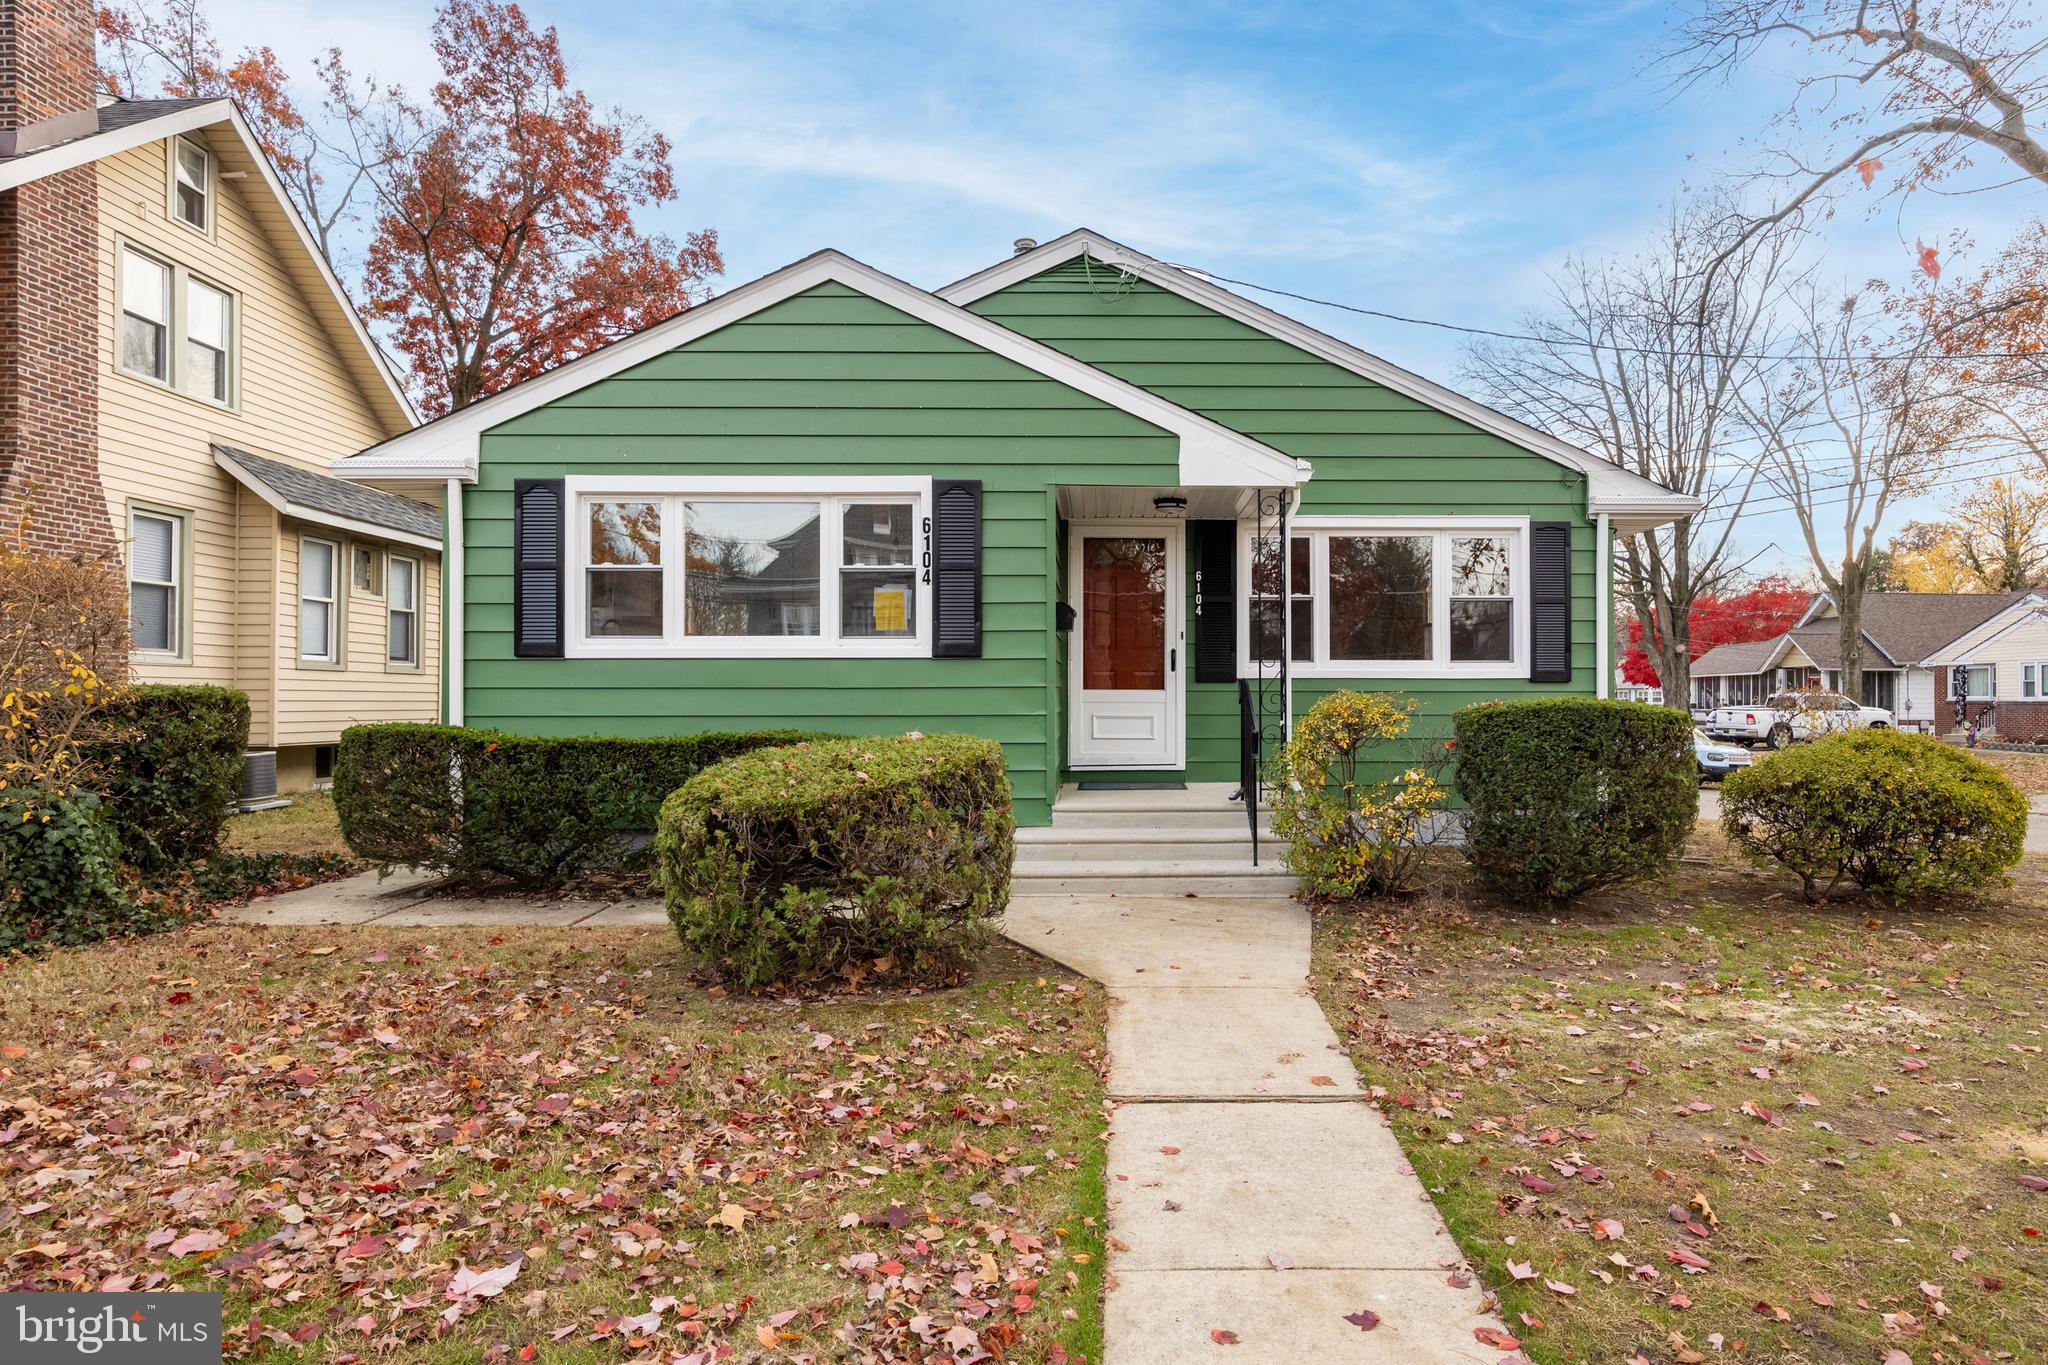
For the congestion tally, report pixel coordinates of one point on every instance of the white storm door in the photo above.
(1124, 661)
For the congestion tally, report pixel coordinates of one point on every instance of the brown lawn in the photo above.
(2030, 771)
(1704, 1121)
(452, 1144)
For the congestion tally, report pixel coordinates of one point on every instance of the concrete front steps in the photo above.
(1165, 842)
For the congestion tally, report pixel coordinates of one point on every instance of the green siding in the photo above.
(1376, 452)
(828, 382)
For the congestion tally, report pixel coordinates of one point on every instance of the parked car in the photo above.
(1791, 716)
(1717, 760)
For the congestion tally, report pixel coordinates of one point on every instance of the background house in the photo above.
(178, 365)
(1995, 676)
(1043, 505)
(1902, 632)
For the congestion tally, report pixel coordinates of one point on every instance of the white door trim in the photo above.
(1174, 534)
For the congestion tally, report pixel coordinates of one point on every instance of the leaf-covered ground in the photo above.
(2030, 771)
(453, 1144)
(1705, 1122)
(307, 825)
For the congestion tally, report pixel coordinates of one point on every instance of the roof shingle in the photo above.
(336, 497)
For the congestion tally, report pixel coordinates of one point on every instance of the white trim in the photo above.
(1640, 502)
(1970, 641)
(333, 521)
(1603, 624)
(1211, 455)
(1319, 528)
(1174, 534)
(916, 490)
(451, 598)
(35, 165)
(1963, 671)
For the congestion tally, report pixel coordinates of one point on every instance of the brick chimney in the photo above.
(49, 285)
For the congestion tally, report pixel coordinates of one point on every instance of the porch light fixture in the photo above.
(1169, 502)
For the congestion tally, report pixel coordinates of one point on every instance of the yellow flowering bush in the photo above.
(1351, 836)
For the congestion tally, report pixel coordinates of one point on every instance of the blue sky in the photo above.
(1434, 159)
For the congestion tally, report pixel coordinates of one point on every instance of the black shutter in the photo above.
(1215, 600)
(1550, 601)
(956, 569)
(537, 530)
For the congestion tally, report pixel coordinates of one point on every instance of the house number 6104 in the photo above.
(927, 561)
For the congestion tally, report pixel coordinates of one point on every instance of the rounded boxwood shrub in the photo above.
(1879, 810)
(173, 771)
(841, 857)
(1569, 794)
(540, 811)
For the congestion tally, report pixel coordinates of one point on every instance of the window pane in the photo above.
(1479, 566)
(625, 533)
(401, 637)
(1380, 597)
(191, 165)
(362, 569)
(1266, 628)
(206, 315)
(1482, 631)
(150, 613)
(206, 372)
(875, 533)
(624, 602)
(314, 618)
(751, 568)
(153, 548)
(142, 347)
(1123, 613)
(316, 569)
(1265, 573)
(145, 288)
(878, 605)
(401, 584)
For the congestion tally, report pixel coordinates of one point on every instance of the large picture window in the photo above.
(747, 567)
(1386, 597)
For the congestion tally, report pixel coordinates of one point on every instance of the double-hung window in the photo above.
(145, 316)
(402, 611)
(2034, 681)
(1974, 682)
(156, 552)
(208, 315)
(748, 567)
(192, 184)
(1393, 597)
(176, 329)
(319, 602)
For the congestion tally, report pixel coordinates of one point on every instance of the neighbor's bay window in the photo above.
(706, 571)
(1387, 597)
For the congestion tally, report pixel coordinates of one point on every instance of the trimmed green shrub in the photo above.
(173, 772)
(58, 873)
(1569, 794)
(1878, 810)
(538, 811)
(1347, 837)
(841, 857)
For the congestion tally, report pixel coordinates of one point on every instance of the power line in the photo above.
(1790, 503)
(1573, 343)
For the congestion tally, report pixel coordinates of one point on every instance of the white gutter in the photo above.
(451, 599)
(1603, 587)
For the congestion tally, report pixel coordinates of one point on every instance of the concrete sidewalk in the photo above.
(1242, 1143)
(407, 899)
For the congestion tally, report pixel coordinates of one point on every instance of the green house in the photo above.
(1043, 504)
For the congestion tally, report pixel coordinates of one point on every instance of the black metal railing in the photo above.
(1248, 760)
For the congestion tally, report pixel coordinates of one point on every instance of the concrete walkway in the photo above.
(406, 899)
(1242, 1144)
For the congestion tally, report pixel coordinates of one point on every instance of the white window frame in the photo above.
(1964, 671)
(416, 568)
(1319, 529)
(177, 369)
(210, 189)
(338, 594)
(181, 540)
(673, 491)
(2034, 680)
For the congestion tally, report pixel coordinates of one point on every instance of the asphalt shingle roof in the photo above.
(337, 497)
(1905, 626)
(118, 115)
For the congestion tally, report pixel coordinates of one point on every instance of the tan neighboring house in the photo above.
(178, 367)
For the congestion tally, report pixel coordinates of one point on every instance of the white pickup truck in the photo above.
(1793, 715)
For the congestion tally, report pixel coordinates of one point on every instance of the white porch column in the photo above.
(451, 598)
(1603, 611)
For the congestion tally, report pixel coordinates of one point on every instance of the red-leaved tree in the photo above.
(504, 239)
(1766, 609)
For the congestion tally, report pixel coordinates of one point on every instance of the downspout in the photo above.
(451, 599)
(1603, 587)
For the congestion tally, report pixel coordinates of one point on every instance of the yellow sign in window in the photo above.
(892, 614)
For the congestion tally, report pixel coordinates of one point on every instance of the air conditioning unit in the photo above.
(259, 782)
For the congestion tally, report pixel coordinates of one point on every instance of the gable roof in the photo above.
(123, 125)
(1211, 454)
(1634, 502)
(1750, 656)
(1912, 626)
(2020, 608)
(327, 501)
